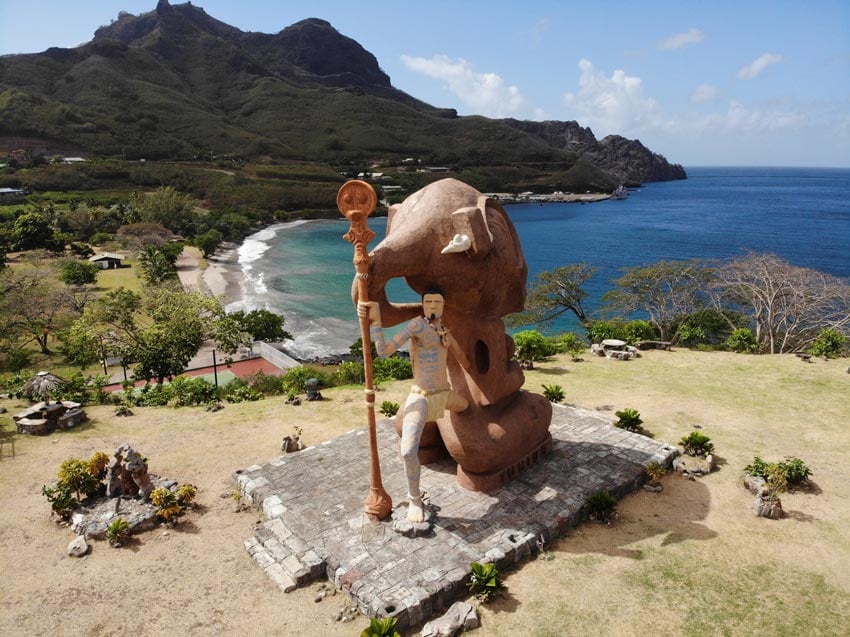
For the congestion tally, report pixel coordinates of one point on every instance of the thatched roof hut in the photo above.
(41, 385)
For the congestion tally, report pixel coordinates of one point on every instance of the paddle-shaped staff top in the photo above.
(356, 200)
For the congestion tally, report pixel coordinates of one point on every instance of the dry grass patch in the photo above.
(692, 559)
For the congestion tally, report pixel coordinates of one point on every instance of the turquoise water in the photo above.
(303, 270)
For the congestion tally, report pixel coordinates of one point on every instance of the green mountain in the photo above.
(176, 83)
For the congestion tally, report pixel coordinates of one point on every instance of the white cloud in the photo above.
(691, 36)
(758, 65)
(540, 28)
(704, 93)
(612, 105)
(745, 118)
(482, 93)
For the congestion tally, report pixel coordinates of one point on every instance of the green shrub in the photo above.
(186, 494)
(598, 331)
(166, 502)
(708, 329)
(392, 368)
(75, 475)
(123, 410)
(484, 583)
(629, 331)
(97, 465)
(830, 343)
(691, 335)
(14, 384)
(75, 389)
(350, 373)
(61, 498)
(99, 238)
(569, 343)
(553, 393)
(152, 395)
(795, 470)
(757, 468)
(532, 346)
(295, 379)
(697, 444)
(186, 390)
(629, 419)
(775, 480)
(389, 408)
(600, 506)
(17, 360)
(356, 350)
(239, 392)
(656, 470)
(268, 384)
(742, 340)
(638, 330)
(381, 628)
(117, 531)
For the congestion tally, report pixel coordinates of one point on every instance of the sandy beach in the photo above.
(222, 276)
(219, 274)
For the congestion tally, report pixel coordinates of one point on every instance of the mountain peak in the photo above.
(317, 47)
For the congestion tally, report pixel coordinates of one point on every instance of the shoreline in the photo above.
(223, 276)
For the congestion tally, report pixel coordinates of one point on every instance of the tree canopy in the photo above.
(158, 331)
(554, 293)
(666, 291)
(262, 325)
(788, 306)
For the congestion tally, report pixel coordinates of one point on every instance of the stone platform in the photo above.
(313, 502)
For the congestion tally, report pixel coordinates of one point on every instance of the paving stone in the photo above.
(314, 502)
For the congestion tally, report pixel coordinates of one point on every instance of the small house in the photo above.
(107, 260)
(11, 195)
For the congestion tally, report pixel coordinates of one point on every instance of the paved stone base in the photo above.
(313, 502)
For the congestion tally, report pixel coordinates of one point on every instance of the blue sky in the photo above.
(703, 83)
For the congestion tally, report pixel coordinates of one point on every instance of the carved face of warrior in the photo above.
(432, 306)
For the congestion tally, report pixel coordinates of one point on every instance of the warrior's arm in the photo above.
(384, 349)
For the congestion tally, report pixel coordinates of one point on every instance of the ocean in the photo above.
(303, 269)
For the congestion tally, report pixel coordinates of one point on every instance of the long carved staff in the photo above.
(356, 200)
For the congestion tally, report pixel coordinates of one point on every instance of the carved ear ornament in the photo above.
(459, 243)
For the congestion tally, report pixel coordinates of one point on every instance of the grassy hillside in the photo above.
(175, 83)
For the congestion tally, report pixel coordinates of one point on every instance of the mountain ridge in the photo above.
(177, 83)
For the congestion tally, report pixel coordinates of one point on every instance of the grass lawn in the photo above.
(692, 560)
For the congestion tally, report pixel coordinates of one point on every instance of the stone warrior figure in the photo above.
(431, 394)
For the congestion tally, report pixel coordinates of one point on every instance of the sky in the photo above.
(739, 83)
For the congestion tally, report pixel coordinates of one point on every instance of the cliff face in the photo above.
(627, 160)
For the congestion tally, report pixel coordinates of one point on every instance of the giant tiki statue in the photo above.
(451, 236)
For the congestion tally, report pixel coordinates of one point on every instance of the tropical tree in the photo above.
(33, 306)
(159, 330)
(167, 207)
(208, 242)
(78, 273)
(788, 305)
(554, 293)
(159, 263)
(32, 230)
(262, 325)
(666, 291)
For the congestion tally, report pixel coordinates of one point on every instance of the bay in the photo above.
(304, 270)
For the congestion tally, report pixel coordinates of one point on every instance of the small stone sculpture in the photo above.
(127, 474)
